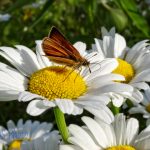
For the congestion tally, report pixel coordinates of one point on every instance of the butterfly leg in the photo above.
(69, 74)
(80, 69)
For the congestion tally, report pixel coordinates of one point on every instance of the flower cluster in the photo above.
(115, 82)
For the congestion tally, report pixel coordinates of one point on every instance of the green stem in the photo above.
(61, 124)
(115, 109)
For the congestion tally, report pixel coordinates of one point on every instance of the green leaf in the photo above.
(120, 19)
(91, 7)
(131, 9)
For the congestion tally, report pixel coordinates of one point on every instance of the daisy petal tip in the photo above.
(38, 41)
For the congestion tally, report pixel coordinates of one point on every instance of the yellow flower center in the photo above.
(57, 82)
(121, 147)
(148, 108)
(125, 69)
(15, 145)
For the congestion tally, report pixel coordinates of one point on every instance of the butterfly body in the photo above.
(59, 50)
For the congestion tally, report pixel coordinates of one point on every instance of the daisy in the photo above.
(122, 134)
(28, 135)
(133, 62)
(143, 107)
(46, 85)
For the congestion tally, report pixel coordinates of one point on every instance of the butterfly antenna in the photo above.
(89, 69)
(96, 63)
(91, 56)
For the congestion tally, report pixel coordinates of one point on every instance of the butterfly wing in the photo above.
(57, 53)
(57, 36)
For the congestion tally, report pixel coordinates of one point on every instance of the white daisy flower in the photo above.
(143, 107)
(28, 135)
(133, 62)
(46, 85)
(120, 135)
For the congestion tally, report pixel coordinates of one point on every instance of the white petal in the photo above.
(119, 47)
(104, 31)
(94, 101)
(143, 64)
(21, 59)
(20, 124)
(51, 142)
(48, 103)
(27, 96)
(97, 131)
(108, 46)
(1, 146)
(113, 87)
(8, 95)
(27, 128)
(27, 145)
(80, 135)
(98, 47)
(77, 110)
(139, 60)
(13, 73)
(133, 53)
(40, 130)
(147, 94)
(29, 53)
(148, 122)
(95, 58)
(42, 59)
(104, 78)
(9, 82)
(132, 130)
(81, 47)
(120, 129)
(142, 76)
(30, 62)
(143, 139)
(36, 108)
(65, 105)
(110, 33)
(143, 145)
(104, 114)
(136, 97)
(109, 132)
(138, 109)
(11, 125)
(140, 85)
(69, 147)
(117, 99)
(104, 67)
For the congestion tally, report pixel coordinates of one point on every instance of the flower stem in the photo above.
(115, 109)
(61, 124)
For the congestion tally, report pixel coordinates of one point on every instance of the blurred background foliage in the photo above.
(24, 21)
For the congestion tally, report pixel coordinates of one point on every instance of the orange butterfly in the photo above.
(59, 50)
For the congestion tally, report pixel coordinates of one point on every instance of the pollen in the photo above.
(57, 82)
(125, 69)
(121, 147)
(148, 108)
(16, 144)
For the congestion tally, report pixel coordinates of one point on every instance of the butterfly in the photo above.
(59, 50)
